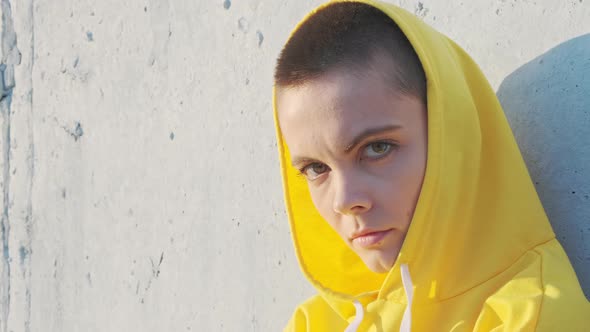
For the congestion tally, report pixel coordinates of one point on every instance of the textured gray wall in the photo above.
(139, 184)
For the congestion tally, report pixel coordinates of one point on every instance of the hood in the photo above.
(478, 211)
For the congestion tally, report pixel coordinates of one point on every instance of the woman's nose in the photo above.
(351, 196)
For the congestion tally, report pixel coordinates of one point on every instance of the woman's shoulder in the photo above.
(543, 295)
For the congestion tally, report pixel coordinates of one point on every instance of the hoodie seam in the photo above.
(543, 288)
(502, 271)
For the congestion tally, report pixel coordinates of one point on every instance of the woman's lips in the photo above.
(371, 239)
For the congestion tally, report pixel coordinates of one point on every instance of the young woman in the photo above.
(409, 202)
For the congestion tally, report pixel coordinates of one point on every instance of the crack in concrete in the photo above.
(76, 133)
(4, 222)
(10, 57)
(155, 275)
(31, 162)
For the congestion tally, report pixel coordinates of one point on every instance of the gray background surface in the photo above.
(139, 180)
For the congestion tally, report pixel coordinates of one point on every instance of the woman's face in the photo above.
(362, 148)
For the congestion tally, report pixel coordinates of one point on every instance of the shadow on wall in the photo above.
(547, 102)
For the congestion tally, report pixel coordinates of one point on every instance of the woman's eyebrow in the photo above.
(368, 133)
(355, 141)
(301, 160)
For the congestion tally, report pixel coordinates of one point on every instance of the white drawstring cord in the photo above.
(360, 313)
(409, 289)
(407, 318)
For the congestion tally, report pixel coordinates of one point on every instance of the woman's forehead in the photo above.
(343, 98)
(333, 112)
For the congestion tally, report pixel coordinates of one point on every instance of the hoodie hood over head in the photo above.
(479, 234)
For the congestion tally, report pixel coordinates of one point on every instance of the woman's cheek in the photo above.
(320, 198)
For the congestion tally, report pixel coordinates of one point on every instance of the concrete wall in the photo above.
(139, 185)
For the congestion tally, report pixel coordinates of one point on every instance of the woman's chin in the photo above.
(378, 263)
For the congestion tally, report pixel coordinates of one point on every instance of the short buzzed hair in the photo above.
(349, 36)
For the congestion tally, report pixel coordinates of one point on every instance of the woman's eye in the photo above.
(376, 150)
(312, 171)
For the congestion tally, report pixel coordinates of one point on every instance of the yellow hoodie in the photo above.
(480, 254)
